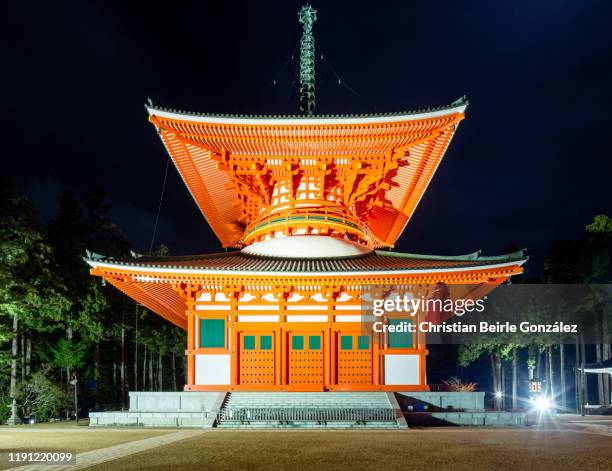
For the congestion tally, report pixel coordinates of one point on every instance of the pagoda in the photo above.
(308, 208)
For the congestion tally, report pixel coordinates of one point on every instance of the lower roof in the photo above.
(236, 262)
(151, 281)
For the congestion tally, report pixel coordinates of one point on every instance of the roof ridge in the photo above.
(517, 255)
(136, 257)
(470, 256)
(462, 101)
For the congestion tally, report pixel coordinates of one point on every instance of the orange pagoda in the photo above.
(308, 207)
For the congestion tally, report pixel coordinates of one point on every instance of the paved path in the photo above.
(596, 424)
(101, 455)
(80, 429)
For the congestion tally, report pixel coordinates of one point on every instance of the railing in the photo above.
(314, 216)
(305, 414)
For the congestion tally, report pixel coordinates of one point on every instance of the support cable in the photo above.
(284, 66)
(340, 80)
(294, 81)
(159, 206)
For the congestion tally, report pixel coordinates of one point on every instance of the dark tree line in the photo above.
(66, 340)
(515, 359)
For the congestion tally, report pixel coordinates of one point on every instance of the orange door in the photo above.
(306, 360)
(354, 359)
(256, 360)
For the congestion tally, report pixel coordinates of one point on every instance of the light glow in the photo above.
(542, 403)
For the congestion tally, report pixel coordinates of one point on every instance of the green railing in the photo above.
(315, 216)
(306, 414)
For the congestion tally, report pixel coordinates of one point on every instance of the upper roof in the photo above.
(458, 106)
(382, 164)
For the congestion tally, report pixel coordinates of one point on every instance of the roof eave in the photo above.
(456, 107)
(203, 271)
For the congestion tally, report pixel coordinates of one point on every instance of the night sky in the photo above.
(530, 163)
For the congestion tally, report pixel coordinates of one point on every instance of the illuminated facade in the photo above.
(310, 206)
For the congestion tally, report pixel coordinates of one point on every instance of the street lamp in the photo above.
(74, 382)
(542, 404)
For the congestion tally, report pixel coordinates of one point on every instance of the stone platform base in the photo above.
(165, 409)
(490, 419)
(257, 410)
(149, 419)
(441, 401)
(304, 410)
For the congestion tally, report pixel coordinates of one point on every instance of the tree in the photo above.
(600, 235)
(97, 314)
(70, 355)
(69, 235)
(588, 261)
(601, 224)
(508, 303)
(30, 291)
(468, 353)
(177, 339)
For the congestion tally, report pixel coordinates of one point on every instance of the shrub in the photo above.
(455, 384)
(41, 398)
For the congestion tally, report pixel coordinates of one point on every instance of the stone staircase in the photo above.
(308, 410)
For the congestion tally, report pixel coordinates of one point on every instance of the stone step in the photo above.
(307, 424)
(315, 399)
(308, 410)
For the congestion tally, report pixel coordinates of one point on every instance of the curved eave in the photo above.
(100, 267)
(160, 298)
(324, 120)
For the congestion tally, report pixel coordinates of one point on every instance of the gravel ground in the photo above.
(448, 448)
(568, 442)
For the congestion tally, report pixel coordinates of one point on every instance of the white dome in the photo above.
(306, 246)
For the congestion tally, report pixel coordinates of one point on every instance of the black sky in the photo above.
(530, 164)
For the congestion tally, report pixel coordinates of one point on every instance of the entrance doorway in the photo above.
(256, 361)
(306, 360)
